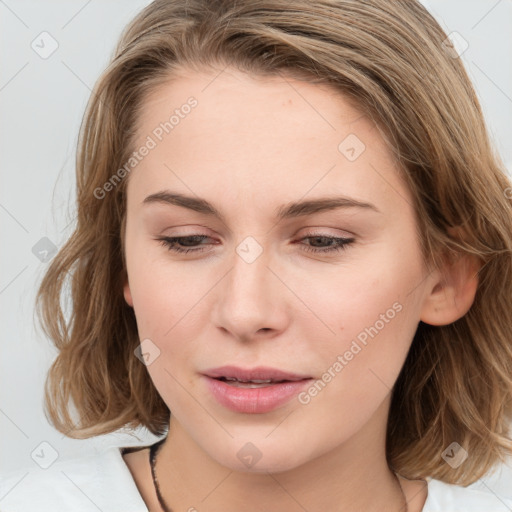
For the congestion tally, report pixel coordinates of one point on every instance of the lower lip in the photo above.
(255, 400)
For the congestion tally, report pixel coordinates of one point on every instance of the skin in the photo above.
(251, 145)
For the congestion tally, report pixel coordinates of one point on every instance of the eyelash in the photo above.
(169, 243)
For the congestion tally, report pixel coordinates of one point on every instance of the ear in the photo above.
(453, 291)
(126, 291)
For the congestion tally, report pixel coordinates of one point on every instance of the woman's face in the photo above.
(266, 286)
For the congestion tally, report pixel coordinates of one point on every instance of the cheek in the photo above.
(163, 307)
(362, 360)
(355, 296)
(162, 293)
(369, 316)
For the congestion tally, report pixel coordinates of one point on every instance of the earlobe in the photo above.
(127, 293)
(453, 292)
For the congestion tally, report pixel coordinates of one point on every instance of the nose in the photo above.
(251, 300)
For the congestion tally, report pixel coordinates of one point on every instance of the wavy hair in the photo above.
(389, 58)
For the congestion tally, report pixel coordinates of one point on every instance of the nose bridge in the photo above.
(247, 300)
(249, 277)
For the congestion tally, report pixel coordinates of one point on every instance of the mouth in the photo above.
(258, 375)
(256, 390)
(252, 384)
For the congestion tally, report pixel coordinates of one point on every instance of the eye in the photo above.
(176, 243)
(336, 243)
(171, 243)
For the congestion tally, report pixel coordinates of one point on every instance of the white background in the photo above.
(41, 105)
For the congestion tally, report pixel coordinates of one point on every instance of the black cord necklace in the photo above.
(152, 456)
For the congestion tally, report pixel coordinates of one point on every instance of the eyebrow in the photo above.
(286, 211)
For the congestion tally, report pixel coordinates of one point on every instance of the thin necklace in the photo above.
(152, 456)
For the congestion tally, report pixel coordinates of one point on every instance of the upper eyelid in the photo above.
(309, 231)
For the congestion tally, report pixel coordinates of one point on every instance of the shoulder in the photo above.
(444, 497)
(97, 481)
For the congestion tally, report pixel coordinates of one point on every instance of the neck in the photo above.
(352, 476)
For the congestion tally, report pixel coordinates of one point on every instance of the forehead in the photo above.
(260, 137)
(250, 108)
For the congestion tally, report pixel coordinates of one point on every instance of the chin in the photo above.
(263, 467)
(261, 457)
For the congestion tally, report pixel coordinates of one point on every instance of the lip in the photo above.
(257, 373)
(254, 400)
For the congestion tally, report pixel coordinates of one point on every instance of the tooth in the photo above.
(257, 381)
(249, 385)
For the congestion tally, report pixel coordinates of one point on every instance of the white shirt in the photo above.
(103, 482)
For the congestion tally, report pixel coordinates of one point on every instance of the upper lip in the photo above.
(257, 373)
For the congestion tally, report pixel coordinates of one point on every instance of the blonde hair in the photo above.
(386, 57)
